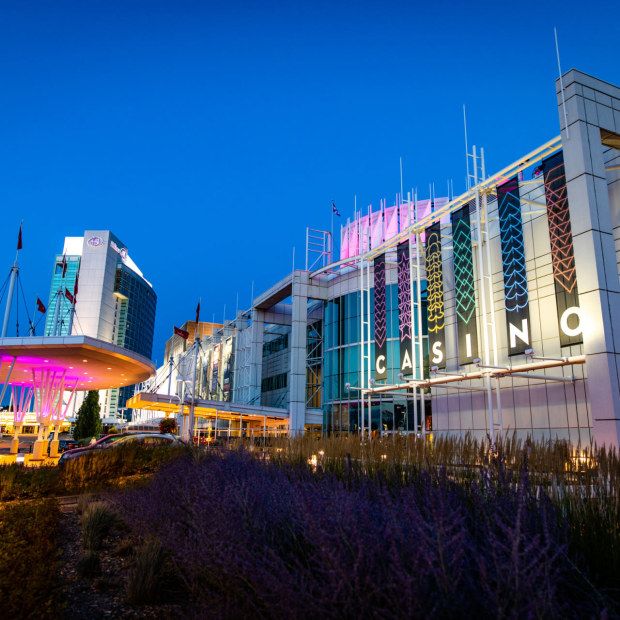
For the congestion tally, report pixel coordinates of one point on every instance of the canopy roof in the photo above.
(95, 364)
(170, 404)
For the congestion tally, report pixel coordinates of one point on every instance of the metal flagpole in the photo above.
(56, 308)
(420, 335)
(557, 49)
(14, 272)
(466, 150)
(32, 322)
(482, 276)
(9, 300)
(485, 213)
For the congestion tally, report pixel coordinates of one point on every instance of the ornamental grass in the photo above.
(29, 560)
(363, 535)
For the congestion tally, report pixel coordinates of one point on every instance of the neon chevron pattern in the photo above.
(380, 308)
(434, 278)
(562, 255)
(513, 251)
(404, 294)
(463, 269)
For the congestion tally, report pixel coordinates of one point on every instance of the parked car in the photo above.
(63, 444)
(151, 440)
(67, 444)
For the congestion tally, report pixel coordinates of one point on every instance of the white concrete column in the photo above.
(256, 355)
(297, 375)
(590, 104)
(241, 324)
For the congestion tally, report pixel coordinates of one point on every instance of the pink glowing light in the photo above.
(391, 222)
(364, 227)
(441, 202)
(376, 229)
(406, 215)
(22, 399)
(344, 241)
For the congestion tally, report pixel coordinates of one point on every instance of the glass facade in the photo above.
(276, 366)
(135, 311)
(63, 278)
(342, 364)
(134, 323)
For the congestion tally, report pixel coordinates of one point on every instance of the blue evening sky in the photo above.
(208, 135)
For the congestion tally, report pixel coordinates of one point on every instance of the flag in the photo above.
(75, 288)
(40, 306)
(64, 265)
(69, 296)
(181, 332)
(19, 238)
(198, 312)
(334, 210)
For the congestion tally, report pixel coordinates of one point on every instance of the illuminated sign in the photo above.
(404, 309)
(513, 263)
(464, 289)
(562, 255)
(436, 314)
(380, 320)
(122, 252)
(95, 242)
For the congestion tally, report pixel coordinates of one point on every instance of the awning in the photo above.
(170, 404)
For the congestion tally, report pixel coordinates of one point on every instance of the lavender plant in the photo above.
(276, 539)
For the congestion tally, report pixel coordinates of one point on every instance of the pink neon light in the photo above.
(391, 222)
(376, 229)
(344, 242)
(364, 234)
(440, 202)
(49, 386)
(406, 215)
(354, 239)
(384, 225)
(21, 403)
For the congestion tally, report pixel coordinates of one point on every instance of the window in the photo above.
(277, 382)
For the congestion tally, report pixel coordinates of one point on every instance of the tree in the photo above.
(167, 425)
(88, 423)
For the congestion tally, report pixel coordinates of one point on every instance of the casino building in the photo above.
(486, 313)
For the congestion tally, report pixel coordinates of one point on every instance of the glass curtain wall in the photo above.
(342, 364)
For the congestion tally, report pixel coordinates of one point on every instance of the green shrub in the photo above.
(167, 425)
(29, 560)
(19, 482)
(100, 470)
(105, 468)
(97, 521)
(146, 579)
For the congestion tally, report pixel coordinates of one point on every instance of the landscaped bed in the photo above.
(300, 530)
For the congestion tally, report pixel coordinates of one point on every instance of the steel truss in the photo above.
(314, 363)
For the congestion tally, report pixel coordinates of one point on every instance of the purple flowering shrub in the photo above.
(276, 540)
